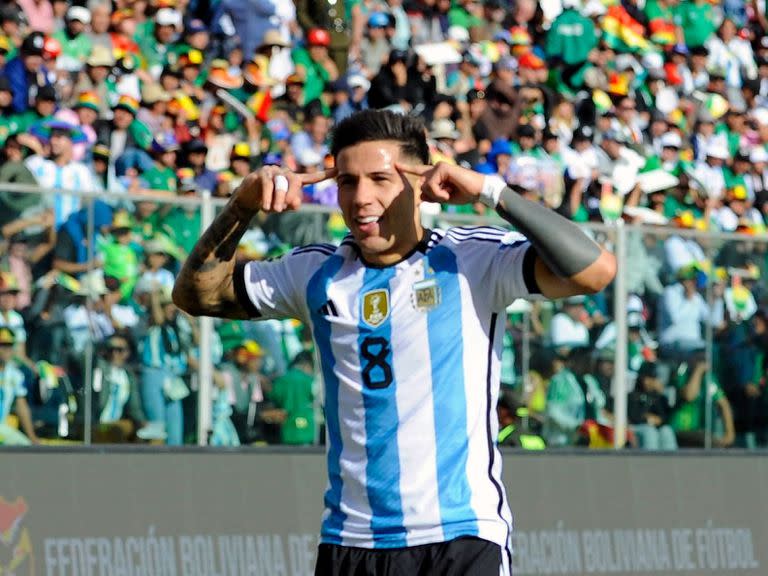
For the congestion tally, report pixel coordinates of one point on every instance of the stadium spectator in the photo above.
(565, 409)
(500, 118)
(314, 64)
(163, 364)
(14, 170)
(375, 46)
(93, 79)
(76, 43)
(14, 396)
(162, 175)
(294, 392)
(181, 224)
(42, 109)
(544, 364)
(570, 327)
(23, 255)
(10, 317)
(689, 416)
(252, 413)
(342, 20)
(156, 275)
(87, 318)
(682, 252)
(117, 404)
(640, 344)
(314, 136)
(196, 151)
(223, 431)
(26, 72)
(390, 86)
(648, 410)
(126, 137)
(740, 360)
(682, 315)
(75, 252)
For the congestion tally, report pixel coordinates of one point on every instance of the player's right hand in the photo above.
(446, 183)
(275, 189)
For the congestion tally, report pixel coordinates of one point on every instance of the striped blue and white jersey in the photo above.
(410, 358)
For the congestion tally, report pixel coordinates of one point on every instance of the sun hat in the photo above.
(45, 128)
(100, 56)
(79, 13)
(272, 37)
(128, 103)
(89, 100)
(221, 77)
(444, 129)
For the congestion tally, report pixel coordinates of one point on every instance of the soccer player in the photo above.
(408, 323)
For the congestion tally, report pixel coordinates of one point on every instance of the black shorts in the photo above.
(461, 557)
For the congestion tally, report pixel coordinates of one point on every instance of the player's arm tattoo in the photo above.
(560, 244)
(205, 285)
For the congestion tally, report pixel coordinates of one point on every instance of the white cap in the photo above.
(671, 140)
(359, 81)
(625, 62)
(458, 34)
(593, 8)
(718, 149)
(758, 154)
(653, 60)
(79, 13)
(634, 304)
(761, 116)
(308, 157)
(635, 320)
(444, 128)
(168, 17)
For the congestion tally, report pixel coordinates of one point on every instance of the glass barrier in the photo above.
(46, 333)
(704, 301)
(107, 357)
(671, 355)
(557, 384)
(266, 388)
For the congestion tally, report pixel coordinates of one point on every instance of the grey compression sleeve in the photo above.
(563, 247)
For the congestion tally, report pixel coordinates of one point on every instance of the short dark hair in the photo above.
(373, 125)
(304, 358)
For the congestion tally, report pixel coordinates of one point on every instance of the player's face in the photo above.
(377, 201)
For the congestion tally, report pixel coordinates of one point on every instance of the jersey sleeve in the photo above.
(498, 265)
(511, 271)
(278, 288)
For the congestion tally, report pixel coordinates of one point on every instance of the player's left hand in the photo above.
(445, 183)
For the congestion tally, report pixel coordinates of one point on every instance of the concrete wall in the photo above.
(217, 513)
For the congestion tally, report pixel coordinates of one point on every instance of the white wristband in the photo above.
(492, 187)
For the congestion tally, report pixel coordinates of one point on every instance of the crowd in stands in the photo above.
(654, 112)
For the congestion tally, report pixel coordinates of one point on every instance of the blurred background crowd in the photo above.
(654, 113)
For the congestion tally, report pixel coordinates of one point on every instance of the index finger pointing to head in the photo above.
(317, 176)
(415, 169)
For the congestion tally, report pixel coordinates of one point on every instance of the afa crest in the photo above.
(425, 295)
(375, 307)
